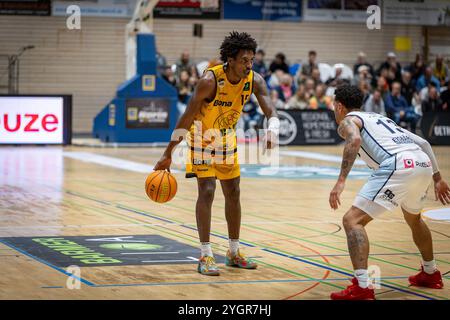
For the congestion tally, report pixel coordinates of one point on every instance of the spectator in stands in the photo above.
(427, 78)
(184, 63)
(339, 69)
(408, 88)
(375, 103)
(445, 97)
(184, 87)
(312, 64)
(169, 76)
(394, 68)
(279, 63)
(310, 87)
(433, 103)
(440, 70)
(251, 115)
(320, 100)
(299, 100)
(275, 79)
(398, 109)
(286, 88)
(365, 89)
(382, 86)
(364, 75)
(259, 64)
(417, 68)
(362, 62)
(315, 75)
(161, 63)
(277, 102)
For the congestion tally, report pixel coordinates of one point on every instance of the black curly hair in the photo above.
(235, 42)
(350, 96)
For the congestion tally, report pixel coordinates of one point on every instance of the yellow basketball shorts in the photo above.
(225, 169)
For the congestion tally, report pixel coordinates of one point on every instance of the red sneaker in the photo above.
(354, 292)
(423, 279)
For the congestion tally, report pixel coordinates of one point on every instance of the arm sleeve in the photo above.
(426, 147)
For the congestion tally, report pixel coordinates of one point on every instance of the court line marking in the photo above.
(216, 282)
(318, 156)
(162, 252)
(89, 283)
(347, 273)
(247, 243)
(190, 240)
(177, 235)
(111, 161)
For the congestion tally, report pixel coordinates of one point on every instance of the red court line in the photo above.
(325, 276)
(327, 273)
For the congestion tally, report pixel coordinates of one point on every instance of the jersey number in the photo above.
(389, 127)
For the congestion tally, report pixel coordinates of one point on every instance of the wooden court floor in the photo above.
(93, 198)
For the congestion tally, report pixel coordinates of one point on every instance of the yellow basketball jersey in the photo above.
(223, 112)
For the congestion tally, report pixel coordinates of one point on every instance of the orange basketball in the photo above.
(161, 186)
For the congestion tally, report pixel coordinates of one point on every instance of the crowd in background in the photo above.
(403, 93)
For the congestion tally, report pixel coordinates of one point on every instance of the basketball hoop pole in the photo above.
(142, 22)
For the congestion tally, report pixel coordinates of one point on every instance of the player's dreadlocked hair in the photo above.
(350, 96)
(234, 43)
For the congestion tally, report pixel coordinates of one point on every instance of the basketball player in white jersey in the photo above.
(403, 165)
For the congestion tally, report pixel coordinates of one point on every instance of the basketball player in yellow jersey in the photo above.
(211, 116)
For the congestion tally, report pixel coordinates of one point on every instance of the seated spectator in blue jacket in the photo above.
(286, 88)
(398, 109)
(425, 79)
(259, 65)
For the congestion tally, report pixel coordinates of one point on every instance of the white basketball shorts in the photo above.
(400, 181)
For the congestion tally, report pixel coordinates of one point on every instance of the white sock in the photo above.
(429, 266)
(363, 277)
(205, 247)
(234, 246)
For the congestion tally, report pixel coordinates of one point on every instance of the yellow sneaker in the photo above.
(240, 261)
(207, 266)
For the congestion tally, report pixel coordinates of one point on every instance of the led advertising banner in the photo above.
(35, 119)
(274, 10)
(337, 10)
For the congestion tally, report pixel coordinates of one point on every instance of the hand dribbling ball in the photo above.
(160, 186)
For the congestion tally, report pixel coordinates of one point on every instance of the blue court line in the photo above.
(219, 282)
(345, 273)
(268, 250)
(372, 254)
(298, 259)
(48, 264)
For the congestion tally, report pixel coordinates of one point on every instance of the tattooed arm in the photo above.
(349, 130)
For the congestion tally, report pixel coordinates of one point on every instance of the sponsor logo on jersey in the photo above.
(389, 196)
(227, 120)
(247, 86)
(221, 82)
(220, 103)
(403, 140)
(423, 164)
(408, 163)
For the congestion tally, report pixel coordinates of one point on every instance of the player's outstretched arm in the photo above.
(205, 90)
(441, 188)
(349, 130)
(273, 124)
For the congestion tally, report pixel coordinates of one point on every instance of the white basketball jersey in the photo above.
(381, 138)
